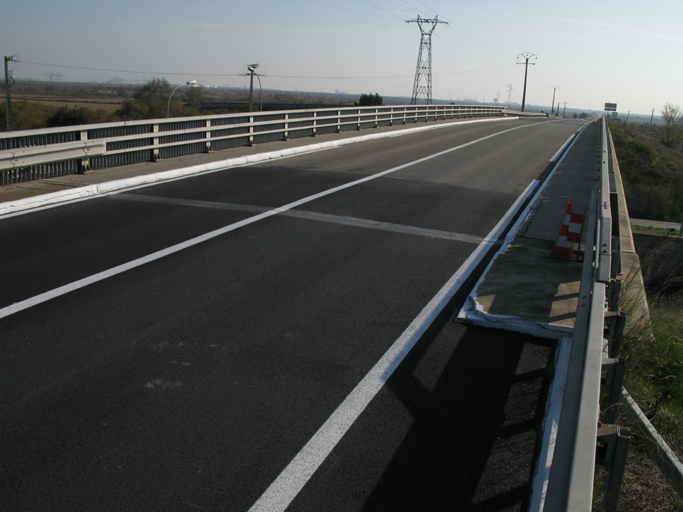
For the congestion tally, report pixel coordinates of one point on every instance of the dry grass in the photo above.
(653, 350)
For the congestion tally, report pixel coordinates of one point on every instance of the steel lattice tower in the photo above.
(424, 60)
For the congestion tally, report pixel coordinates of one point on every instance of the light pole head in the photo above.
(193, 83)
(252, 67)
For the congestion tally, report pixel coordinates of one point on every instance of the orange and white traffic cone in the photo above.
(570, 233)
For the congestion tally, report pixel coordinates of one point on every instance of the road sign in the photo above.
(610, 107)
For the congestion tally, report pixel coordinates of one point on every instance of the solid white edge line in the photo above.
(559, 151)
(43, 297)
(539, 486)
(43, 201)
(469, 310)
(292, 479)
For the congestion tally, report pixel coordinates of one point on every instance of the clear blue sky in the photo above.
(627, 52)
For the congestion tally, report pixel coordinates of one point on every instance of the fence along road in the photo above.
(196, 378)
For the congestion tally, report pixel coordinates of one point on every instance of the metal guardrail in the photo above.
(50, 152)
(594, 365)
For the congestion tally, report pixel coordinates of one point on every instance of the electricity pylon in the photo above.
(424, 60)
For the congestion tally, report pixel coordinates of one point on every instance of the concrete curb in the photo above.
(472, 312)
(89, 191)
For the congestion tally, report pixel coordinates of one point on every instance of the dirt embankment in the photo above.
(661, 259)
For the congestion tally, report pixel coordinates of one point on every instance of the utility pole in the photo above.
(526, 56)
(627, 116)
(9, 82)
(651, 118)
(564, 111)
(424, 62)
(552, 106)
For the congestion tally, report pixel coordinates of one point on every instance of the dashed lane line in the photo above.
(100, 276)
(324, 217)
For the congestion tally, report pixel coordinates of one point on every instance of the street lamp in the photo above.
(192, 83)
(251, 68)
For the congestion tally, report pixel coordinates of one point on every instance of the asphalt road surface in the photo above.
(276, 336)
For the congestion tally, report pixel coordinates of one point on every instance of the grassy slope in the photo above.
(653, 179)
(652, 173)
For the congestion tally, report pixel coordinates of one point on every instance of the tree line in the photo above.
(148, 102)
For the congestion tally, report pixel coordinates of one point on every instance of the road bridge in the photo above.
(277, 335)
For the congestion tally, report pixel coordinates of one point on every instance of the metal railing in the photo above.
(51, 152)
(594, 366)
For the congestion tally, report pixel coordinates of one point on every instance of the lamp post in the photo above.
(9, 82)
(251, 68)
(192, 83)
(260, 93)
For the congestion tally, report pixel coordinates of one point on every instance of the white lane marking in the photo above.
(81, 283)
(303, 214)
(292, 479)
(86, 193)
(559, 151)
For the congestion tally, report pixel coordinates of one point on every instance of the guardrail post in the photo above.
(208, 136)
(615, 322)
(358, 120)
(286, 134)
(315, 124)
(376, 118)
(391, 120)
(155, 141)
(85, 161)
(339, 126)
(612, 452)
(251, 130)
(612, 381)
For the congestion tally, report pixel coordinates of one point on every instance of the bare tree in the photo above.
(672, 131)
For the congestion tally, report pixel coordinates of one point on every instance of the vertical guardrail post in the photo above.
(155, 141)
(85, 161)
(615, 323)
(126, 142)
(251, 130)
(612, 452)
(614, 372)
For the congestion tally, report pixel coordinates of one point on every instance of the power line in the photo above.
(478, 39)
(466, 47)
(205, 74)
(347, 10)
(419, 2)
(367, 2)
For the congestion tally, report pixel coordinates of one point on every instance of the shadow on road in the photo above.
(476, 431)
